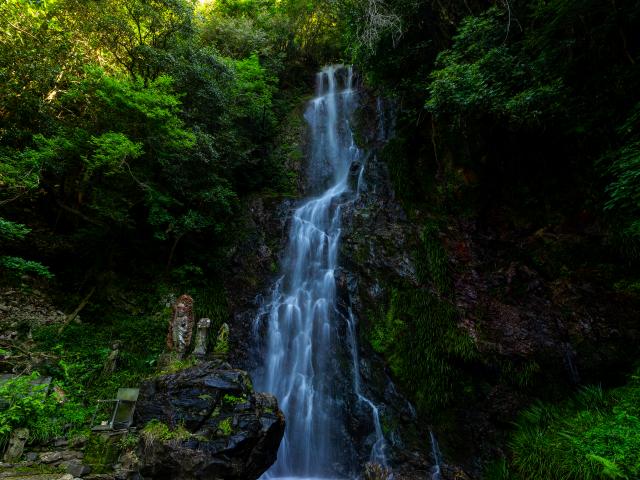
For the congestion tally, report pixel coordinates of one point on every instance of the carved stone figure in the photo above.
(112, 359)
(17, 442)
(200, 348)
(181, 326)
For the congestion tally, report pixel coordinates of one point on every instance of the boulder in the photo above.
(17, 442)
(206, 422)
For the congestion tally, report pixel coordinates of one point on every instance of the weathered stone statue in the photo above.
(17, 442)
(181, 326)
(200, 348)
(112, 359)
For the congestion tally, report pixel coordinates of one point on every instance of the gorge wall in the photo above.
(517, 313)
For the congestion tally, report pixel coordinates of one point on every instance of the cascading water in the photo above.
(378, 450)
(437, 457)
(301, 316)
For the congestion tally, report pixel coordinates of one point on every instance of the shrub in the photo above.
(26, 403)
(592, 436)
(17, 267)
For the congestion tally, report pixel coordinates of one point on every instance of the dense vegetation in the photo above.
(593, 435)
(141, 124)
(521, 111)
(133, 132)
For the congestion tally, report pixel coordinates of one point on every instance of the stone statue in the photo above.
(17, 442)
(112, 359)
(200, 348)
(181, 326)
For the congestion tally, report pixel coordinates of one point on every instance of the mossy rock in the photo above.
(102, 451)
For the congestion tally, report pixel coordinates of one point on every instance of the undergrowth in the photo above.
(418, 334)
(594, 435)
(25, 403)
(156, 431)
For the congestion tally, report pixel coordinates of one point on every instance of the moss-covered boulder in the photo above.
(206, 422)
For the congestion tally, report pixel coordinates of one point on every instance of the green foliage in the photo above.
(27, 403)
(623, 191)
(128, 441)
(177, 364)
(156, 431)
(622, 168)
(233, 400)
(252, 91)
(140, 125)
(110, 151)
(12, 231)
(481, 75)
(525, 96)
(224, 427)
(19, 171)
(239, 29)
(17, 267)
(432, 260)
(497, 470)
(592, 436)
(420, 339)
(418, 334)
(22, 401)
(139, 35)
(83, 350)
(522, 374)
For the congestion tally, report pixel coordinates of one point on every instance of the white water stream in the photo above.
(301, 316)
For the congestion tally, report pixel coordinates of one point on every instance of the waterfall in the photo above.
(437, 457)
(301, 333)
(378, 450)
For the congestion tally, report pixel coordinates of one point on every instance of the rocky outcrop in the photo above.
(24, 311)
(206, 422)
(53, 460)
(542, 302)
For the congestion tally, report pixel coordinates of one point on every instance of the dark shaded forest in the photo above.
(139, 137)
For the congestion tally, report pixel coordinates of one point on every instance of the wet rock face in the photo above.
(254, 265)
(523, 296)
(221, 429)
(376, 247)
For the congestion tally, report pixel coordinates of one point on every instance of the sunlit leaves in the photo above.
(110, 151)
(252, 90)
(140, 34)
